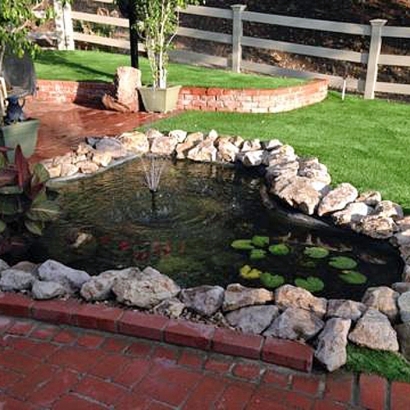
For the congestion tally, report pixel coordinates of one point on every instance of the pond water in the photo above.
(186, 233)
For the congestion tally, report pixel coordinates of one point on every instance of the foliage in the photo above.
(279, 250)
(316, 252)
(247, 272)
(257, 254)
(158, 22)
(260, 241)
(271, 281)
(352, 277)
(342, 262)
(242, 244)
(25, 207)
(312, 284)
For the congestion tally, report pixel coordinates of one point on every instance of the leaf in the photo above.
(41, 196)
(247, 272)
(242, 244)
(257, 254)
(22, 167)
(316, 252)
(35, 227)
(8, 176)
(342, 262)
(271, 281)
(44, 211)
(312, 284)
(279, 250)
(9, 206)
(3, 226)
(353, 277)
(40, 174)
(260, 241)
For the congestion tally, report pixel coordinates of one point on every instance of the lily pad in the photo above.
(316, 252)
(257, 254)
(279, 250)
(260, 241)
(271, 281)
(312, 284)
(353, 277)
(247, 272)
(242, 244)
(342, 262)
(308, 264)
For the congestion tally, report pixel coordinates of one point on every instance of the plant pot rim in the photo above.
(150, 87)
(21, 122)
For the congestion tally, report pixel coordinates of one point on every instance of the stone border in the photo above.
(196, 98)
(294, 313)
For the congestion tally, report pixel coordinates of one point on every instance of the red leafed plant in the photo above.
(25, 206)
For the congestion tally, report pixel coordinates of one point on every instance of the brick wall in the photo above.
(196, 98)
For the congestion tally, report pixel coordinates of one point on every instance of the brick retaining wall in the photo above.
(196, 98)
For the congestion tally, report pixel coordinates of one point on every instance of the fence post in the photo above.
(373, 60)
(64, 26)
(237, 31)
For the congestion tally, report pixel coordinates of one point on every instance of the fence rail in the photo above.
(371, 59)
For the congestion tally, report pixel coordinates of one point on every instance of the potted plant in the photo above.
(157, 25)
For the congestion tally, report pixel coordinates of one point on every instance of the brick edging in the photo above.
(159, 328)
(197, 98)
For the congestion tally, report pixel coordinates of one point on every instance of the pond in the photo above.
(111, 221)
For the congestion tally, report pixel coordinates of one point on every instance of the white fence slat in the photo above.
(393, 88)
(106, 41)
(390, 59)
(394, 31)
(205, 35)
(208, 12)
(95, 18)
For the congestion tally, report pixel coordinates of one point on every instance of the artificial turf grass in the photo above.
(364, 142)
(100, 66)
(389, 365)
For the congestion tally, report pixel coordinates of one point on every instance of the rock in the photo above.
(82, 149)
(286, 169)
(112, 146)
(406, 274)
(212, 135)
(373, 330)
(110, 103)
(237, 141)
(190, 142)
(204, 151)
(404, 223)
(404, 306)
(238, 296)
(127, 80)
(71, 279)
(26, 266)
(403, 334)
(251, 145)
(383, 299)
(3, 265)
(337, 199)
(164, 145)
(401, 287)
(180, 135)
(102, 158)
(145, 289)
(205, 300)
(227, 151)
(87, 167)
(271, 144)
(253, 319)
(99, 287)
(13, 279)
(152, 133)
(80, 158)
(292, 296)
(299, 192)
(370, 198)
(313, 169)
(345, 309)
(135, 141)
(54, 171)
(402, 238)
(376, 226)
(353, 213)
(331, 349)
(70, 157)
(172, 308)
(405, 255)
(47, 290)
(295, 324)
(280, 155)
(253, 158)
(67, 170)
(389, 209)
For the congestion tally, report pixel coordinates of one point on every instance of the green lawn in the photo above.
(100, 66)
(366, 143)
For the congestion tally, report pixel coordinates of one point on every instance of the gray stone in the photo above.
(292, 296)
(353, 213)
(204, 151)
(251, 145)
(401, 287)
(180, 135)
(253, 158)
(54, 271)
(295, 324)
(227, 151)
(285, 169)
(373, 330)
(3, 265)
(313, 169)
(164, 145)
(26, 266)
(331, 349)
(345, 309)
(99, 287)
(190, 142)
(402, 238)
(172, 308)
(238, 296)
(404, 306)
(271, 144)
(383, 299)
(152, 133)
(13, 279)
(370, 198)
(403, 334)
(252, 319)
(337, 199)
(144, 289)
(279, 155)
(47, 290)
(389, 209)
(112, 146)
(404, 223)
(205, 300)
(376, 226)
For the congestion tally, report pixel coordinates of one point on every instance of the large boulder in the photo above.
(337, 199)
(345, 309)
(252, 319)
(144, 289)
(111, 145)
(374, 331)
(3, 265)
(295, 324)
(331, 349)
(383, 299)
(292, 296)
(205, 300)
(47, 290)
(71, 279)
(14, 279)
(127, 80)
(238, 296)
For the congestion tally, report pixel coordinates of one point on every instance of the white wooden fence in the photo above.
(372, 59)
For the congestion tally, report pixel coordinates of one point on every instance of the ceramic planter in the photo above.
(160, 99)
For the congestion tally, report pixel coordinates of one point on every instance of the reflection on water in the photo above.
(199, 210)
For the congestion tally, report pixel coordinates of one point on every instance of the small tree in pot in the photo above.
(158, 22)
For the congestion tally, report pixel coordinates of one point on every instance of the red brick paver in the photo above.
(88, 369)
